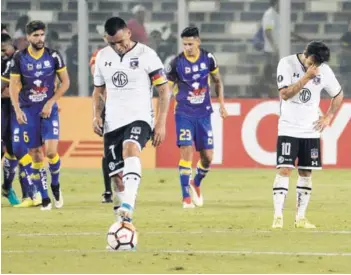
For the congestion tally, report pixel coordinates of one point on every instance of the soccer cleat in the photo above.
(27, 202)
(46, 205)
(196, 195)
(187, 203)
(277, 222)
(11, 196)
(304, 223)
(125, 211)
(107, 197)
(58, 199)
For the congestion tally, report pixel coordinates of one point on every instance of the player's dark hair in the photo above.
(190, 32)
(34, 26)
(5, 38)
(318, 50)
(114, 24)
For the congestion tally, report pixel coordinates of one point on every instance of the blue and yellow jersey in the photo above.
(191, 77)
(38, 75)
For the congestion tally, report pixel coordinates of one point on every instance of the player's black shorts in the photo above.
(137, 131)
(307, 151)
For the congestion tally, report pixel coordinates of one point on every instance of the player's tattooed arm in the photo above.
(98, 94)
(163, 105)
(219, 90)
(335, 104)
(292, 90)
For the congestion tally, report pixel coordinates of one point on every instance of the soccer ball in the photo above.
(122, 236)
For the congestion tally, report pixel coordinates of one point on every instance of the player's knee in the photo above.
(51, 154)
(305, 173)
(206, 158)
(117, 181)
(131, 149)
(284, 172)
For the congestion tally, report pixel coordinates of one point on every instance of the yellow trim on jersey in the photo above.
(35, 55)
(37, 165)
(5, 79)
(215, 71)
(62, 69)
(8, 156)
(15, 74)
(192, 59)
(27, 159)
(185, 163)
(269, 28)
(170, 83)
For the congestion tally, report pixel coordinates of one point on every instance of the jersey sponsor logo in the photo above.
(305, 95)
(38, 91)
(196, 76)
(120, 79)
(30, 67)
(197, 95)
(281, 159)
(280, 78)
(38, 73)
(134, 63)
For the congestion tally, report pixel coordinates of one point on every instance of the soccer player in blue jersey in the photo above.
(33, 96)
(189, 74)
(8, 121)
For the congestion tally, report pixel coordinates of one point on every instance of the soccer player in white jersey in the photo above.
(301, 78)
(128, 70)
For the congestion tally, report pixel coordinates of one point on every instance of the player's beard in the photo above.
(38, 46)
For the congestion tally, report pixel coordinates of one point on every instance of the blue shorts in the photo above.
(38, 129)
(193, 129)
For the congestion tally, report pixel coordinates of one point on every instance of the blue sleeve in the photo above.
(213, 66)
(15, 64)
(172, 70)
(59, 62)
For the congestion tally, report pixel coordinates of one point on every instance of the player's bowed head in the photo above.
(117, 35)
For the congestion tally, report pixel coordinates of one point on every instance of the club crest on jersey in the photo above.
(187, 70)
(314, 153)
(29, 67)
(134, 63)
(305, 95)
(317, 80)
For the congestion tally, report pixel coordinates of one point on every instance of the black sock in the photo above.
(107, 179)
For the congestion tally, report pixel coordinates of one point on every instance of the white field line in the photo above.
(212, 252)
(197, 232)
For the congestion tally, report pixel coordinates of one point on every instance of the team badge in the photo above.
(305, 95)
(317, 80)
(195, 68)
(134, 63)
(314, 153)
(29, 67)
(39, 66)
(187, 70)
(281, 159)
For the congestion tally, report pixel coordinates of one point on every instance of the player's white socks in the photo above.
(303, 194)
(120, 196)
(280, 190)
(131, 179)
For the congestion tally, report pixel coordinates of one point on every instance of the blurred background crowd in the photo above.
(242, 34)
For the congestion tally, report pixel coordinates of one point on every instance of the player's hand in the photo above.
(21, 117)
(46, 111)
(159, 134)
(223, 111)
(98, 126)
(321, 123)
(312, 72)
